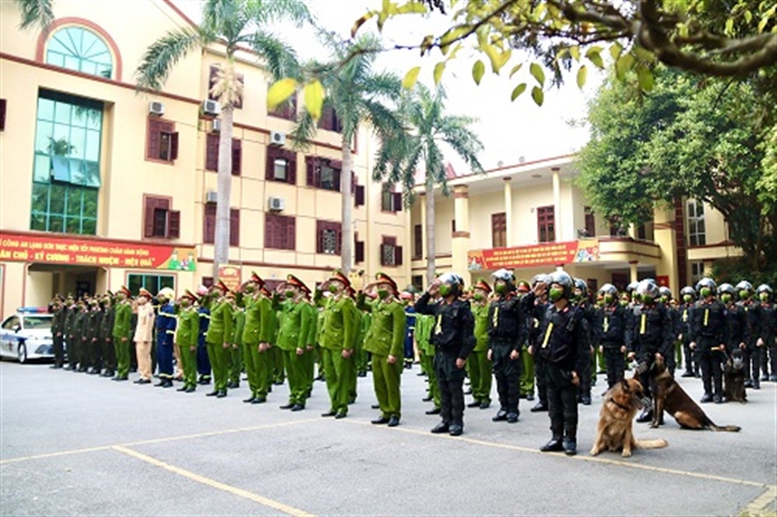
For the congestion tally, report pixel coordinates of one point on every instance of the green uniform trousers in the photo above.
(253, 363)
(122, 357)
(189, 366)
(338, 372)
(386, 379)
(431, 377)
(296, 372)
(278, 374)
(235, 363)
(527, 372)
(479, 369)
(219, 358)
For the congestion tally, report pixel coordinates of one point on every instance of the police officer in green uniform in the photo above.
(93, 337)
(478, 365)
(423, 332)
(235, 353)
(256, 336)
(122, 333)
(59, 313)
(186, 335)
(385, 341)
(337, 338)
(218, 337)
(293, 338)
(527, 360)
(106, 336)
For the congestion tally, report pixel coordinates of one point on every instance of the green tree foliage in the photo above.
(685, 139)
(36, 12)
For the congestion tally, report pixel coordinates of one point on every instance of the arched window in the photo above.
(80, 49)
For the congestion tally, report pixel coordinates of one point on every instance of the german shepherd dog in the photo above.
(734, 377)
(670, 396)
(620, 405)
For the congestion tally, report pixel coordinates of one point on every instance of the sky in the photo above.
(510, 131)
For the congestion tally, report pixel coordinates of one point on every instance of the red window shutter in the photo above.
(359, 252)
(337, 179)
(152, 146)
(234, 227)
(359, 195)
(150, 203)
(173, 146)
(311, 163)
(291, 234)
(270, 164)
(319, 237)
(214, 70)
(397, 255)
(174, 224)
(237, 153)
(396, 202)
(3, 107)
(211, 152)
(269, 231)
(209, 224)
(291, 168)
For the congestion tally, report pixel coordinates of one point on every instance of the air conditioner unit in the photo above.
(277, 138)
(276, 204)
(211, 196)
(216, 125)
(156, 108)
(210, 107)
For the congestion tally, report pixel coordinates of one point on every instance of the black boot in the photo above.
(646, 416)
(554, 445)
(570, 442)
(500, 416)
(540, 406)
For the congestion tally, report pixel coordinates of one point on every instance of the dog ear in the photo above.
(625, 384)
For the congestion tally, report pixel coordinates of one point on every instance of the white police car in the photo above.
(27, 335)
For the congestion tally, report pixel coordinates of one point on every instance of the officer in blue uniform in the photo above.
(203, 362)
(165, 332)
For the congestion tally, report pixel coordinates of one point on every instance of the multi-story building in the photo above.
(102, 185)
(531, 217)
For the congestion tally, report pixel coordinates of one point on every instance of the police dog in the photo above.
(620, 405)
(734, 377)
(670, 396)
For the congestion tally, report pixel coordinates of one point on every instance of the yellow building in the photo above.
(102, 186)
(531, 218)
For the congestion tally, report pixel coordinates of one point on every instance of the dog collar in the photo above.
(618, 404)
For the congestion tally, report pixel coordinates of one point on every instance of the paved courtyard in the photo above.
(74, 444)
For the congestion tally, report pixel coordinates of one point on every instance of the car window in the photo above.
(11, 322)
(37, 322)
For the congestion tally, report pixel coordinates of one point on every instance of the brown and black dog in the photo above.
(734, 377)
(615, 433)
(670, 396)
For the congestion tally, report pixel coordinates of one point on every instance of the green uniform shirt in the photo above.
(239, 319)
(258, 315)
(423, 331)
(188, 328)
(480, 313)
(122, 321)
(387, 331)
(339, 324)
(221, 326)
(296, 326)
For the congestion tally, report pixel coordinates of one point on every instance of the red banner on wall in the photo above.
(53, 249)
(230, 275)
(552, 254)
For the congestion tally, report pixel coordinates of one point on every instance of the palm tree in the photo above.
(358, 95)
(36, 12)
(419, 146)
(233, 24)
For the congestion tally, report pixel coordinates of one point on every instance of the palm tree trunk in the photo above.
(430, 252)
(346, 245)
(224, 189)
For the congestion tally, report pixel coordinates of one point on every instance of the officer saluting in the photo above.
(453, 339)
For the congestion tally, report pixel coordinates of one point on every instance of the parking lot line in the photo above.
(766, 503)
(579, 457)
(157, 440)
(275, 505)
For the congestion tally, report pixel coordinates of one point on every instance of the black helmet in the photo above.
(543, 278)
(647, 288)
(708, 283)
(727, 288)
(744, 285)
(631, 287)
(563, 279)
(688, 290)
(504, 274)
(664, 291)
(456, 282)
(582, 285)
(763, 288)
(608, 289)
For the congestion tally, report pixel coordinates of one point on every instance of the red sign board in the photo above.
(53, 249)
(552, 254)
(230, 275)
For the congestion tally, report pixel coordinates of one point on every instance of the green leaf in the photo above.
(411, 77)
(623, 65)
(748, 16)
(645, 78)
(478, 69)
(412, 7)
(439, 68)
(280, 91)
(450, 36)
(615, 50)
(313, 93)
(498, 59)
(538, 73)
(595, 57)
(574, 51)
(582, 74)
(518, 90)
(426, 44)
(515, 69)
(538, 95)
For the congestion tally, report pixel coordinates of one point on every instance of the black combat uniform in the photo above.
(683, 328)
(650, 334)
(70, 337)
(708, 332)
(453, 338)
(506, 333)
(58, 335)
(93, 319)
(752, 353)
(609, 332)
(768, 331)
(587, 375)
(534, 309)
(106, 341)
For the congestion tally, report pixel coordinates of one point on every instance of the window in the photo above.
(593, 285)
(281, 165)
(213, 78)
(697, 234)
(212, 153)
(641, 232)
(160, 220)
(161, 141)
(391, 201)
(80, 49)
(209, 225)
(323, 173)
(287, 109)
(697, 271)
(453, 226)
(358, 249)
(418, 282)
(617, 228)
(328, 237)
(390, 253)
(590, 222)
(3, 106)
(359, 195)
(66, 165)
(499, 230)
(152, 283)
(546, 224)
(279, 232)
(329, 120)
(418, 242)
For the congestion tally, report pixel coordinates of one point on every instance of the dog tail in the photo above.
(729, 428)
(652, 444)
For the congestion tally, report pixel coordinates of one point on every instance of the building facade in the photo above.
(103, 186)
(531, 218)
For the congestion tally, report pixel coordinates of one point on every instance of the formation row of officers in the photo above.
(508, 331)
